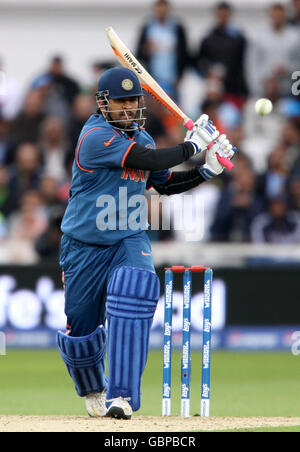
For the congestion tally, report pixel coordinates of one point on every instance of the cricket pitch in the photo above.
(19, 423)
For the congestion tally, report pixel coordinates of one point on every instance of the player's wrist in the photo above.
(198, 147)
(207, 172)
(198, 144)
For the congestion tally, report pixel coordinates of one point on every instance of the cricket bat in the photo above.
(127, 59)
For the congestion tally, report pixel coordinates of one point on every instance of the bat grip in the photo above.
(225, 162)
(189, 124)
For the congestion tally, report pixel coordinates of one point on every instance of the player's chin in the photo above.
(128, 118)
(125, 124)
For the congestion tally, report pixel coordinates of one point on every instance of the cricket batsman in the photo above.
(111, 288)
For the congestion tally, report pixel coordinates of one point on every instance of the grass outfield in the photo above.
(290, 429)
(243, 384)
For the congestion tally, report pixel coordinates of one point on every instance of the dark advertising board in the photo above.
(252, 308)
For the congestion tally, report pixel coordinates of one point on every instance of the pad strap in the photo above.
(132, 293)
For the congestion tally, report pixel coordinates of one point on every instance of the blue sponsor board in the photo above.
(259, 338)
(241, 338)
(32, 309)
(35, 338)
(237, 338)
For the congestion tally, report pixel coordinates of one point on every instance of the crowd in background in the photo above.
(259, 201)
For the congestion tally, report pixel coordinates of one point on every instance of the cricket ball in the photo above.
(263, 107)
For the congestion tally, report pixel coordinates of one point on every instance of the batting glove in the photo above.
(203, 133)
(212, 167)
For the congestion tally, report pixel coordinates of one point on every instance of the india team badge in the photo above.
(127, 84)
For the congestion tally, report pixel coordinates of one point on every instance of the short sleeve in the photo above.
(102, 148)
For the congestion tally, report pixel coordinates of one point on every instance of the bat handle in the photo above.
(189, 124)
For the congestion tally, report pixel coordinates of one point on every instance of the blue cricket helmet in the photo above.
(119, 82)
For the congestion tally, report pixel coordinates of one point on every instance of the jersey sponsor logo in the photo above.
(145, 254)
(107, 143)
(135, 175)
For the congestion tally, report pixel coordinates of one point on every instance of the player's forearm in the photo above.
(180, 181)
(143, 158)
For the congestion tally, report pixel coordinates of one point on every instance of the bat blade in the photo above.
(128, 60)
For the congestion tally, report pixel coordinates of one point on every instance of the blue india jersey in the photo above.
(106, 199)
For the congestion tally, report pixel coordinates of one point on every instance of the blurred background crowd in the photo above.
(258, 202)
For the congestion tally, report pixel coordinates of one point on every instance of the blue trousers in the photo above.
(87, 270)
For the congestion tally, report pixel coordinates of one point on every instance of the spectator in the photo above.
(67, 87)
(47, 245)
(272, 183)
(277, 225)
(31, 221)
(6, 142)
(291, 139)
(25, 128)
(63, 89)
(262, 134)
(295, 19)
(11, 94)
(162, 48)
(237, 207)
(48, 190)
(8, 202)
(63, 193)
(26, 171)
(294, 190)
(155, 122)
(221, 55)
(160, 125)
(274, 52)
(37, 146)
(236, 135)
(83, 107)
(54, 147)
(211, 107)
(227, 114)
